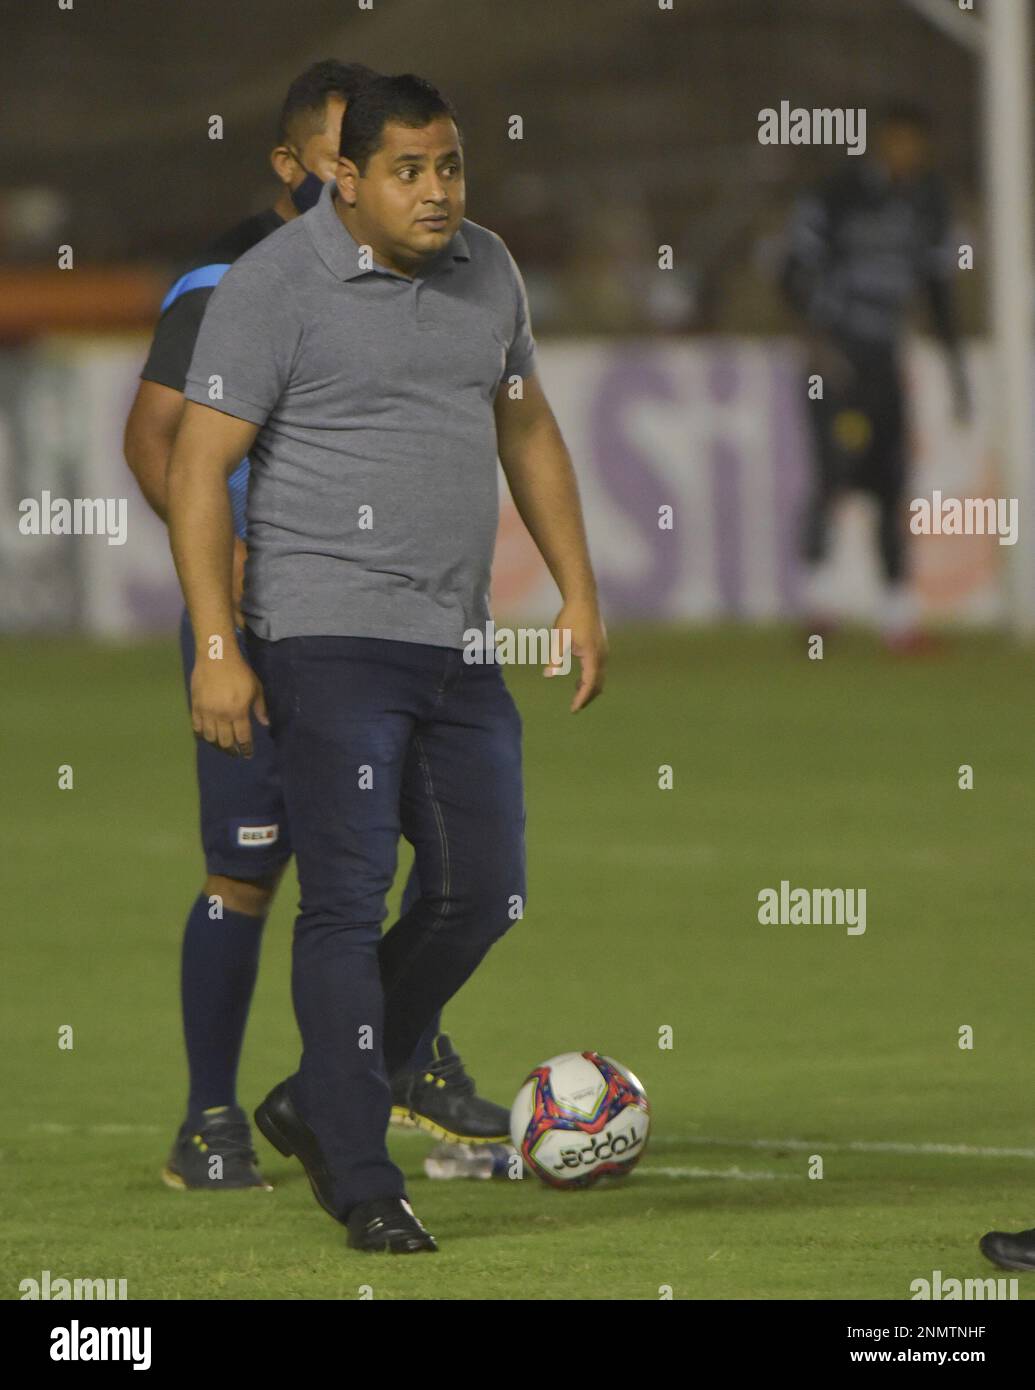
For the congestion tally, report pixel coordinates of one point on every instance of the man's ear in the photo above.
(283, 164)
(346, 176)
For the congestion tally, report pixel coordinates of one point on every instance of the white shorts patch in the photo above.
(250, 835)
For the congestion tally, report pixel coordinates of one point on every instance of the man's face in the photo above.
(410, 200)
(319, 153)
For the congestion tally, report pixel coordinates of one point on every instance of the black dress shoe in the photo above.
(1010, 1251)
(388, 1223)
(280, 1123)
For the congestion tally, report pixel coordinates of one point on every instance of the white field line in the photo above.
(54, 1127)
(667, 1141)
(738, 1174)
(863, 1146)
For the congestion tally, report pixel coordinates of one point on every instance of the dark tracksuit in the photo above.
(861, 247)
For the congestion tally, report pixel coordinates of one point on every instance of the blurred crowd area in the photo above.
(640, 131)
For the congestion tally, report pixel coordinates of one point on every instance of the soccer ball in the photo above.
(579, 1117)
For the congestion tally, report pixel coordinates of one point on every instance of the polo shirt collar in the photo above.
(339, 250)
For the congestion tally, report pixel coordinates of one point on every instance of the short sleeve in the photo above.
(174, 338)
(246, 343)
(521, 357)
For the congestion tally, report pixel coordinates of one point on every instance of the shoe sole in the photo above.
(426, 1126)
(269, 1131)
(387, 1249)
(175, 1182)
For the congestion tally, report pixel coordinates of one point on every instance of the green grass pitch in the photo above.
(788, 1041)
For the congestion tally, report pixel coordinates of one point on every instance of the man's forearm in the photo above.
(149, 464)
(201, 534)
(150, 433)
(545, 491)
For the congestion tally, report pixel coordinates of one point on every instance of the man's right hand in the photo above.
(224, 692)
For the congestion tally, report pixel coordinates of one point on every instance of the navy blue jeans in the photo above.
(378, 738)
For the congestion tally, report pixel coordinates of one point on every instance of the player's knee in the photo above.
(252, 897)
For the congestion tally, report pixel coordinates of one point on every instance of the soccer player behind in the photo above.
(374, 358)
(244, 830)
(861, 245)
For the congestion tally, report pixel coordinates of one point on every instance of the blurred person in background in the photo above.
(607, 279)
(245, 836)
(862, 245)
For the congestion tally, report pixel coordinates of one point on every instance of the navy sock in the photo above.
(219, 967)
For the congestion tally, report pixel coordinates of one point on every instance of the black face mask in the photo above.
(307, 194)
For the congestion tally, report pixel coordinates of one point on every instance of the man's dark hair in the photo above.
(302, 114)
(405, 100)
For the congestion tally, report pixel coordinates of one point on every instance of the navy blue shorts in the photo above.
(244, 829)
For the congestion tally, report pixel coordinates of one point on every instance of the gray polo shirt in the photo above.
(373, 501)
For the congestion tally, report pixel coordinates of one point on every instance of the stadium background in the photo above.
(681, 386)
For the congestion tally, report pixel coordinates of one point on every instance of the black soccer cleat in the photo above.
(441, 1100)
(388, 1225)
(281, 1124)
(1010, 1251)
(221, 1134)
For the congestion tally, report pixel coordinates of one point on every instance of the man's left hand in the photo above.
(588, 644)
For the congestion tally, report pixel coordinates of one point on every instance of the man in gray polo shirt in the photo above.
(371, 359)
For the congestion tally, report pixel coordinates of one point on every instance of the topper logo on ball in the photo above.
(597, 1152)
